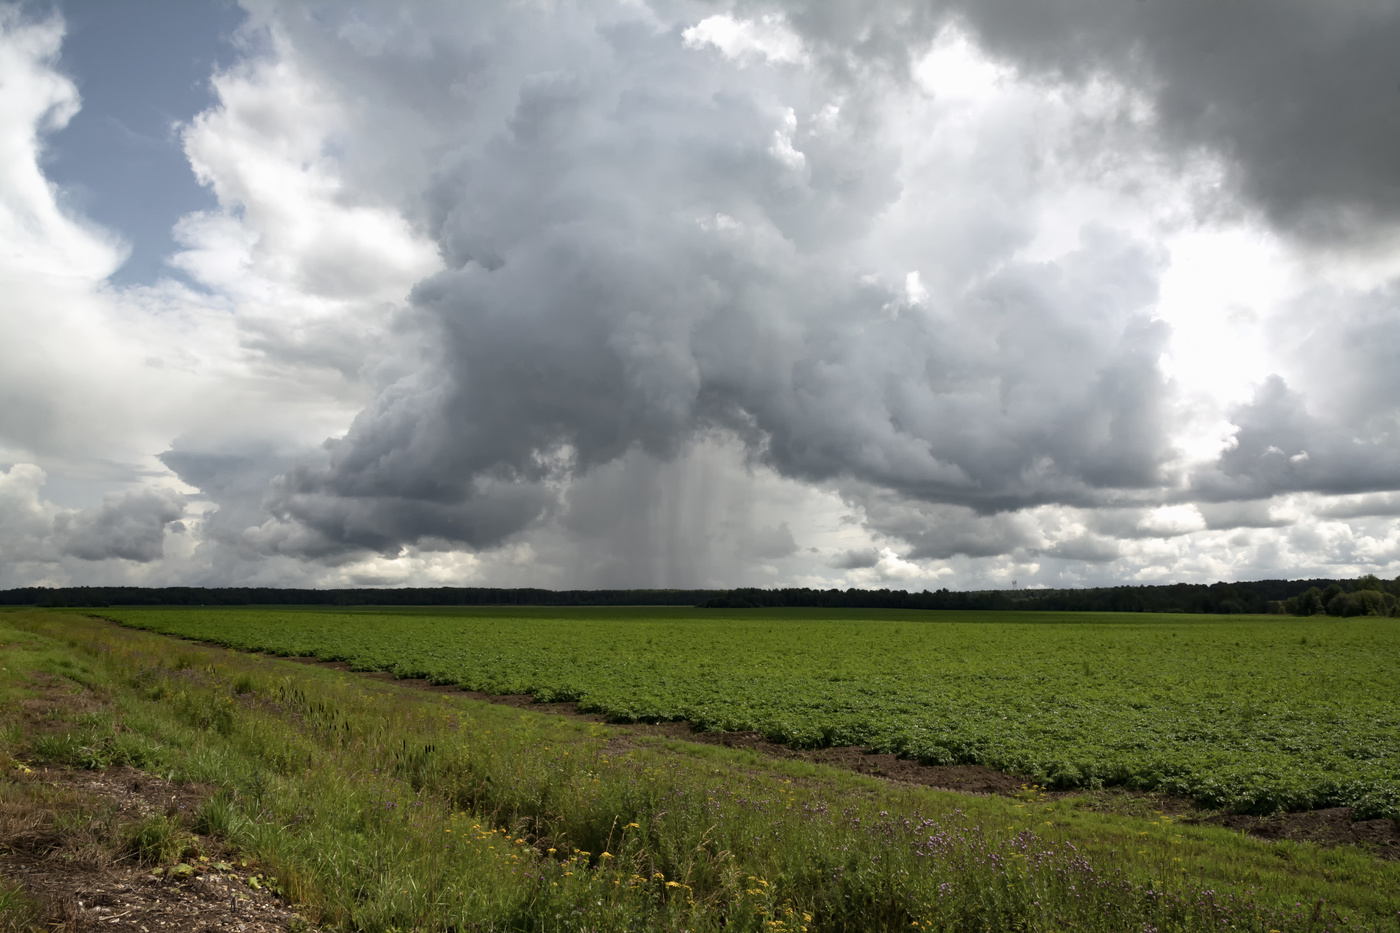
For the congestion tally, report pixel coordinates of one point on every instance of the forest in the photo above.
(1367, 595)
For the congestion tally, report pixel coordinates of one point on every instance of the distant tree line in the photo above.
(1365, 596)
(1368, 596)
(1258, 596)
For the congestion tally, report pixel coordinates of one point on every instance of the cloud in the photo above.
(856, 559)
(937, 531)
(670, 294)
(633, 261)
(26, 518)
(37, 100)
(49, 400)
(1382, 504)
(771, 543)
(102, 378)
(1090, 548)
(315, 264)
(128, 526)
(1247, 514)
(1301, 101)
(766, 38)
(1283, 447)
(1162, 522)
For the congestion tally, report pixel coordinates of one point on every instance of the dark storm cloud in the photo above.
(130, 526)
(1041, 388)
(479, 515)
(227, 477)
(1301, 99)
(645, 243)
(249, 484)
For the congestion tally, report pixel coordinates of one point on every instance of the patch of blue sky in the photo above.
(142, 68)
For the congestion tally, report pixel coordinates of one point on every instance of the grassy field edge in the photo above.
(355, 790)
(1255, 715)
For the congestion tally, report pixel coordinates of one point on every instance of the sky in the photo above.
(698, 293)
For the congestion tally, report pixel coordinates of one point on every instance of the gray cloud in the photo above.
(1376, 504)
(701, 518)
(939, 531)
(549, 372)
(648, 246)
(772, 542)
(236, 477)
(1093, 549)
(1302, 100)
(647, 242)
(237, 481)
(1247, 514)
(1281, 446)
(856, 559)
(129, 526)
(1132, 524)
(1340, 349)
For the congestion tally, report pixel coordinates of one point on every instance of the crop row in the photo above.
(1256, 715)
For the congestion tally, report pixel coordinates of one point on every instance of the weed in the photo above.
(217, 817)
(89, 752)
(157, 840)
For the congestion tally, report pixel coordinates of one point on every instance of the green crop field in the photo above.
(1251, 713)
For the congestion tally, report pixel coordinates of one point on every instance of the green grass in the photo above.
(157, 840)
(18, 912)
(381, 808)
(1254, 714)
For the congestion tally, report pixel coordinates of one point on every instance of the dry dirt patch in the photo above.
(1333, 826)
(85, 882)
